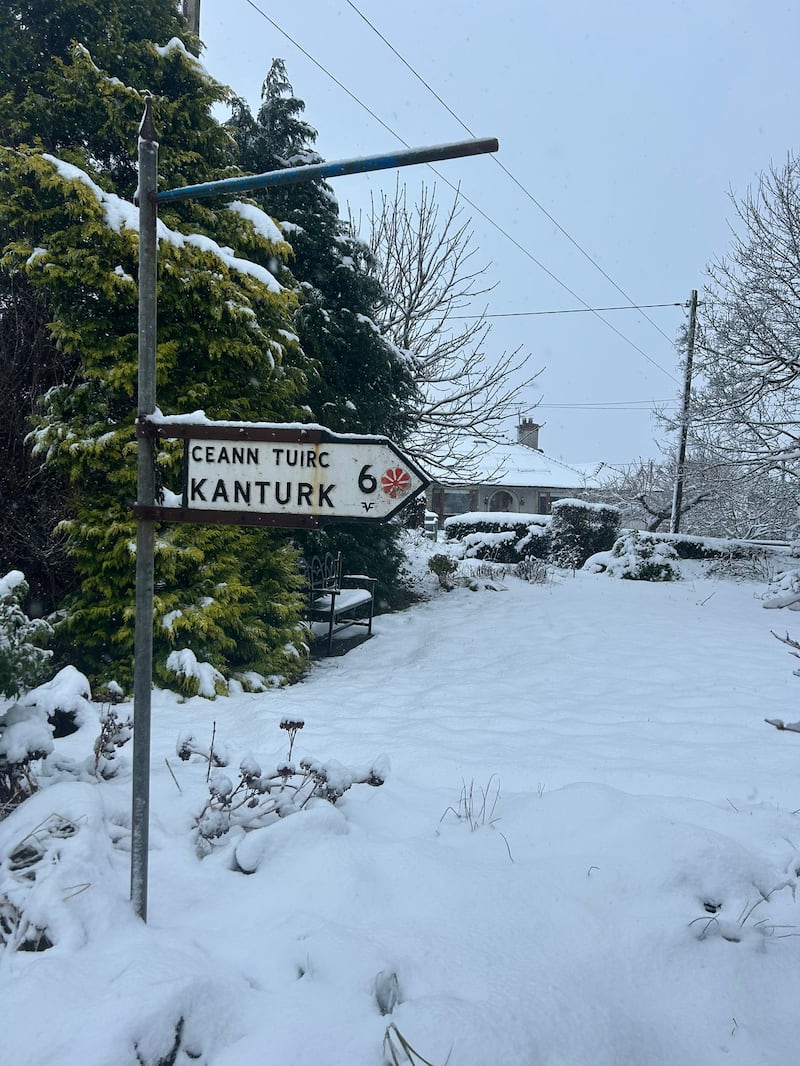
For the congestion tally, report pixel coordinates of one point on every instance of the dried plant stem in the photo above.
(174, 778)
(211, 750)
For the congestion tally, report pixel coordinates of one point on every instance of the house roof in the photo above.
(516, 464)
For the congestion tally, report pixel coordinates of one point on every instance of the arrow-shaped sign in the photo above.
(271, 475)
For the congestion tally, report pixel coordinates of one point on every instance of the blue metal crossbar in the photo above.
(296, 175)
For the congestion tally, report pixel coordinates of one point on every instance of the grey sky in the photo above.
(628, 122)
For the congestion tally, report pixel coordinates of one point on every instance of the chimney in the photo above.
(528, 434)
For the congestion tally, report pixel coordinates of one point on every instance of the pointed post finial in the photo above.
(147, 131)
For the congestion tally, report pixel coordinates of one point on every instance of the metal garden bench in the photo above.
(336, 601)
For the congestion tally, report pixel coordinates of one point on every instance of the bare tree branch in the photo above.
(427, 265)
(748, 408)
(722, 500)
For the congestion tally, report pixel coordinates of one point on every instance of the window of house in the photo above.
(457, 501)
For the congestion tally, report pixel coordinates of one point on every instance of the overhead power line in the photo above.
(567, 311)
(525, 251)
(325, 71)
(502, 166)
(634, 405)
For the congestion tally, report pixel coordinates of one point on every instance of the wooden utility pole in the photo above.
(677, 498)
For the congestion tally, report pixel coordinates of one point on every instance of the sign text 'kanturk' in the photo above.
(262, 474)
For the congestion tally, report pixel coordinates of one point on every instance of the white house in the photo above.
(517, 477)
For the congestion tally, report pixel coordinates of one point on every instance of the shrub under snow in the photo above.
(500, 537)
(194, 678)
(785, 592)
(579, 530)
(637, 559)
(22, 661)
(26, 732)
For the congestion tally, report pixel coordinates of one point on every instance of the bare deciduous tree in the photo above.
(748, 408)
(643, 491)
(426, 263)
(721, 499)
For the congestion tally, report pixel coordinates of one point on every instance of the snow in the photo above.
(24, 736)
(513, 464)
(184, 663)
(10, 581)
(24, 728)
(175, 44)
(258, 219)
(37, 253)
(502, 517)
(586, 850)
(785, 592)
(584, 504)
(199, 418)
(121, 214)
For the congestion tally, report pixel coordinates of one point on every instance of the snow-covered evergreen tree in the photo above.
(22, 659)
(362, 384)
(225, 341)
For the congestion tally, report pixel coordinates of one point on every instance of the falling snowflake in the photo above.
(395, 482)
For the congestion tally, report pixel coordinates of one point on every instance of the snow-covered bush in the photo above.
(23, 662)
(784, 592)
(579, 530)
(636, 558)
(444, 567)
(26, 731)
(500, 537)
(258, 798)
(184, 673)
(25, 736)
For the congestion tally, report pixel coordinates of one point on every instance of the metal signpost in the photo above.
(261, 474)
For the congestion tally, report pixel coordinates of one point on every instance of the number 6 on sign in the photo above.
(367, 482)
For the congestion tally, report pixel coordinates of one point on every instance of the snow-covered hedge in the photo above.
(500, 537)
(579, 529)
(694, 547)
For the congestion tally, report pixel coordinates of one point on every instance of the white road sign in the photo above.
(348, 480)
(269, 475)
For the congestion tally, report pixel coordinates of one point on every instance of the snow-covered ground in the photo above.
(585, 852)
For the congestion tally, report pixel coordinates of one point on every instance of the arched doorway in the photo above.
(501, 501)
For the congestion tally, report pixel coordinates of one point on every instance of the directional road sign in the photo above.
(295, 476)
